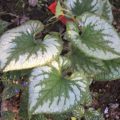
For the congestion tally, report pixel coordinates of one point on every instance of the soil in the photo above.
(106, 95)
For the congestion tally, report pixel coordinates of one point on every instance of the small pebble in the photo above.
(106, 110)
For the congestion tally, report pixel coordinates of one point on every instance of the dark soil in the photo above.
(106, 95)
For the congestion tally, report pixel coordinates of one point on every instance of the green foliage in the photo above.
(26, 49)
(111, 73)
(92, 114)
(8, 115)
(38, 117)
(93, 38)
(84, 63)
(27, 40)
(57, 87)
(3, 26)
(11, 81)
(58, 83)
(24, 105)
(107, 11)
(99, 7)
(58, 10)
(84, 6)
(10, 90)
(89, 114)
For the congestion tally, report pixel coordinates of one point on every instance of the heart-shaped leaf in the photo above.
(21, 48)
(55, 88)
(99, 7)
(95, 37)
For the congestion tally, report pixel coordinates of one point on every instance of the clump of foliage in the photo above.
(57, 82)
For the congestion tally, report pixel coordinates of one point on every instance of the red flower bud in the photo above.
(62, 18)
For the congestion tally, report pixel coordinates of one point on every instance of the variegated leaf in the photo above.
(99, 7)
(54, 88)
(79, 7)
(89, 114)
(92, 114)
(111, 73)
(107, 10)
(108, 75)
(84, 63)
(95, 37)
(20, 49)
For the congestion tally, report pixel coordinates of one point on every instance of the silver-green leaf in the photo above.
(79, 7)
(99, 7)
(112, 71)
(107, 10)
(55, 88)
(21, 49)
(95, 37)
(89, 114)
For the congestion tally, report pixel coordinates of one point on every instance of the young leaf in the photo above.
(21, 49)
(58, 10)
(92, 114)
(107, 10)
(96, 37)
(55, 88)
(89, 114)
